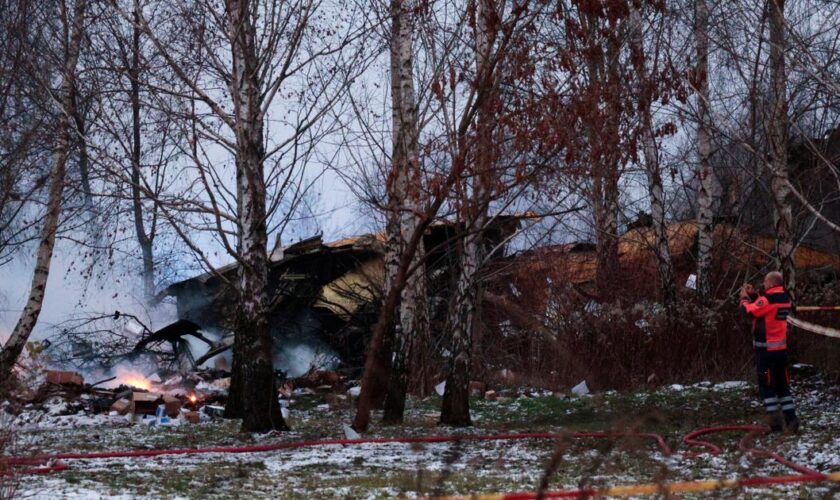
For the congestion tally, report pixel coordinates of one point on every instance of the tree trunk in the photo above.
(378, 341)
(705, 174)
(654, 177)
(253, 395)
(778, 139)
(143, 239)
(605, 189)
(455, 409)
(404, 195)
(603, 66)
(20, 335)
(84, 157)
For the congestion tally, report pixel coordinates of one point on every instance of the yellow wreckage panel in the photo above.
(344, 296)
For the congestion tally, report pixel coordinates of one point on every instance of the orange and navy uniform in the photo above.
(769, 314)
(769, 317)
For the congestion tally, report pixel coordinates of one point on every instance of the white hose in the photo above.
(810, 327)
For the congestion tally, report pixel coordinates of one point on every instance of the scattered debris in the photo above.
(691, 282)
(213, 411)
(65, 379)
(440, 388)
(121, 406)
(145, 402)
(351, 433)
(172, 405)
(581, 389)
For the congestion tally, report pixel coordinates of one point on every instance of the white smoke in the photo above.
(70, 294)
(295, 360)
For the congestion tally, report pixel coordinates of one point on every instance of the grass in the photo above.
(454, 468)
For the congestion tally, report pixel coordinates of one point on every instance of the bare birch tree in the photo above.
(24, 141)
(240, 63)
(459, 101)
(705, 173)
(72, 26)
(405, 192)
(474, 216)
(777, 135)
(646, 90)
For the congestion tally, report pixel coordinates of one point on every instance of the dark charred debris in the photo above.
(324, 301)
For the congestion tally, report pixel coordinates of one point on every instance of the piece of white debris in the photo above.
(355, 391)
(581, 389)
(440, 388)
(677, 387)
(350, 433)
(285, 412)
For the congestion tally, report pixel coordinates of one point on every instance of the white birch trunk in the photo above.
(605, 172)
(404, 203)
(654, 177)
(778, 139)
(252, 396)
(455, 408)
(708, 185)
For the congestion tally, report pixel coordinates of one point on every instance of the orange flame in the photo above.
(192, 398)
(139, 383)
(133, 378)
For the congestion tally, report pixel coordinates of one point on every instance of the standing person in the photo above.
(769, 312)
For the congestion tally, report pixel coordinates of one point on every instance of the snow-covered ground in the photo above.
(389, 470)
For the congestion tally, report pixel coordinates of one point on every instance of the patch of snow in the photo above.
(732, 384)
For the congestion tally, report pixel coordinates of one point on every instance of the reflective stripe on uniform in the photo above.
(781, 343)
(790, 406)
(768, 401)
(786, 399)
(772, 408)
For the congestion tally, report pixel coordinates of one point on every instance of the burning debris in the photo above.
(137, 396)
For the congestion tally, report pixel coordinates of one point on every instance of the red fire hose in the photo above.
(743, 445)
(52, 462)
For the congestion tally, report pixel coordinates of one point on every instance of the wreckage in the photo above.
(325, 296)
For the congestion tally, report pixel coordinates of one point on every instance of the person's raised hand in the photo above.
(746, 291)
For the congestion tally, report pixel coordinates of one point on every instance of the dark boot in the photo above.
(791, 422)
(775, 422)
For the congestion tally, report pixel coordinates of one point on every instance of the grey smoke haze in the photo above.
(68, 293)
(120, 288)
